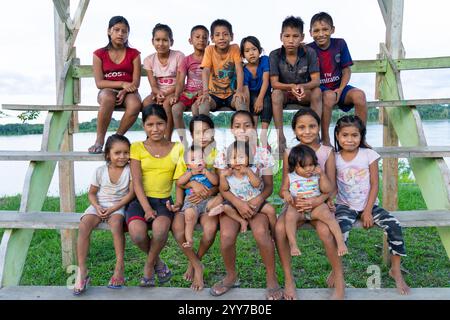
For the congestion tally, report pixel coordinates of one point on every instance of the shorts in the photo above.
(188, 98)
(222, 103)
(92, 211)
(200, 207)
(134, 210)
(226, 202)
(344, 107)
(266, 113)
(116, 92)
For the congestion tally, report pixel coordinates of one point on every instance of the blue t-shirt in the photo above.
(255, 84)
(200, 178)
(332, 61)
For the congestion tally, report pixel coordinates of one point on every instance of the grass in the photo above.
(427, 263)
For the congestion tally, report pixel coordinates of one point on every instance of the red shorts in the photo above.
(188, 98)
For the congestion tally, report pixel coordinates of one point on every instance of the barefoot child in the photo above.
(357, 181)
(162, 67)
(111, 189)
(187, 96)
(307, 180)
(306, 127)
(243, 182)
(196, 171)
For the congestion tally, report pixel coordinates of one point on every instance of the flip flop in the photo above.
(164, 274)
(147, 282)
(95, 149)
(270, 293)
(221, 285)
(116, 283)
(85, 283)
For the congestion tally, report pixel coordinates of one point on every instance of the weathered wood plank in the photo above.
(385, 152)
(370, 104)
(423, 63)
(57, 220)
(171, 293)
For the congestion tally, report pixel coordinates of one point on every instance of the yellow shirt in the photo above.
(210, 158)
(158, 174)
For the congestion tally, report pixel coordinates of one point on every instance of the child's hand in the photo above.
(109, 212)
(160, 97)
(289, 198)
(120, 97)
(338, 93)
(367, 219)
(299, 92)
(317, 170)
(258, 105)
(128, 86)
(174, 99)
(226, 172)
(174, 207)
(150, 214)
(205, 98)
(331, 205)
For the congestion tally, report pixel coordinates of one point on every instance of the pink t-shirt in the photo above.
(191, 67)
(322, 155)
(166, 75)
(353, 179)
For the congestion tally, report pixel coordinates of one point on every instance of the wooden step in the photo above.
(385, 152)
(168, 293)
(58, 220)
(370, 104)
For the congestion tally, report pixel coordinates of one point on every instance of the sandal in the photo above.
(271, 292)
(164, 274)
(95, 148)
(83, 288)
(147, 282)
(116, 283)
(216, 290)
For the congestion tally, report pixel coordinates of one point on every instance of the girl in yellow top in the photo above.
(201, 128)
(155, 164)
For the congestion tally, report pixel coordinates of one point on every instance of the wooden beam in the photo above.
(70, 220)
(423, 63)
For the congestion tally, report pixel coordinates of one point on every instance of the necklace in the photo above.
(151, 151)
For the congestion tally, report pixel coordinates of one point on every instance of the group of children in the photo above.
(231, 186)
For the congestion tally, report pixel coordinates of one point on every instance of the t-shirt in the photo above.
(300, 72)
(191, 67)
(242, 188)
(158, 174)
(332, 61)
(310, 186)
(122, 71)
(353, 179)
(322, 155)
(200, 178)
(223, 79)
(110, 193)
(255, 84)
(166, 75)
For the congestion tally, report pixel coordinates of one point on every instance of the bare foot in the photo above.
(244, 225)
(330, 280)
(342, 249)
(402, 287)
(198, 284)
(189, 274)
(295, 251)
(290, 292)
(216, 210)
(118, 272)
(187, 244)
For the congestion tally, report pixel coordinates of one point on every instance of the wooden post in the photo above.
(432, 175)
(66, 169)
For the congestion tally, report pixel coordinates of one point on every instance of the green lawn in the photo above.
(427, 263)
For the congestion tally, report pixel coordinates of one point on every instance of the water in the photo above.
(12, 173)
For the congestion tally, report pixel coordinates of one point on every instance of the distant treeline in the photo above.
(222, 119)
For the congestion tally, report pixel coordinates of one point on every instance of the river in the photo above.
(13, 173)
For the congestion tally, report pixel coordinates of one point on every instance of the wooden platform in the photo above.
(56, 220)
(385, 152)
(166, 293)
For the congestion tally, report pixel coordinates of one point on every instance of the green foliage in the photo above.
(28, 116)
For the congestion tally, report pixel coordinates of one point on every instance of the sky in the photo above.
(27, 64)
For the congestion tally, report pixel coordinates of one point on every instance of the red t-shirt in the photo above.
(122, 71)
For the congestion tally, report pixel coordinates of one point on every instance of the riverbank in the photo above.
(221, 120)
(427, 264)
